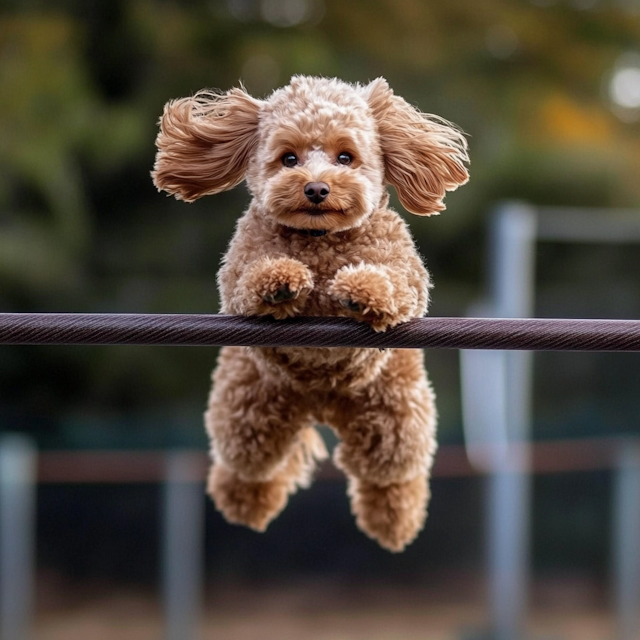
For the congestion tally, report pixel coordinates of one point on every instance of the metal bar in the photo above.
(183, 546)
(483, 389)
(120, 467)
(566, 224)
(512, 278)
(625, 536)
(17, 522)
(214, 330)
(136, 467)
(508, 518)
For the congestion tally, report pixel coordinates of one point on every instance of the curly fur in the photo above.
(346, 255)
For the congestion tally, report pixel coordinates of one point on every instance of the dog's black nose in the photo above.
(316, 192)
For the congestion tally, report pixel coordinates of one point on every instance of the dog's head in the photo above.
(316, 154)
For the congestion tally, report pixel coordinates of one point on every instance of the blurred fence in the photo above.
(496, 398)
(182, 473)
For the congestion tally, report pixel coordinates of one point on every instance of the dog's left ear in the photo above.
(424, 156)
(205, 143)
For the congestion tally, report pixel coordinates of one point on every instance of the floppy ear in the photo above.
(205, 143)
(424, 155)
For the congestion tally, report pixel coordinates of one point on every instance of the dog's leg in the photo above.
(256, 503)
(380, 295)
(263, 442)
(277, 286)
(388, 443)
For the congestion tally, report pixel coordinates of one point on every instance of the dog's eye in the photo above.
(344, 158)
(289, 159)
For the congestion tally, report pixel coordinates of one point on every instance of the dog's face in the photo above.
(318, 163)
(316, 155)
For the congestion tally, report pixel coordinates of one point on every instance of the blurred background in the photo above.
(548, 92)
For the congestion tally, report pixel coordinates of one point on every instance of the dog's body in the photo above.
(318, 240)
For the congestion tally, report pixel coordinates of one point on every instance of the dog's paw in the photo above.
(253, 504)
(277, 287)
(366, 293)
(283, 294)
(392, 514)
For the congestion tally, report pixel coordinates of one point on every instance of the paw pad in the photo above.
(283, 294)
(352, 305)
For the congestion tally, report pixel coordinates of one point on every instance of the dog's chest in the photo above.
(324, 256)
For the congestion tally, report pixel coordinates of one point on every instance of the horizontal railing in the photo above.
(535, 334)
(136, 467)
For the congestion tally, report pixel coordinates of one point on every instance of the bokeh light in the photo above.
(624, 87)
(502, 41)
(289, 13)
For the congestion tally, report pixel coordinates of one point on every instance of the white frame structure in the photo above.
(496, 392)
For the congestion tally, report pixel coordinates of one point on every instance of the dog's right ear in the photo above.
(205, 143)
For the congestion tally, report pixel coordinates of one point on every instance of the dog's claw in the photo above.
(352, 305)
(281, 295)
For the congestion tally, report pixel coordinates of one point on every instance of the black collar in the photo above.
(314, 233)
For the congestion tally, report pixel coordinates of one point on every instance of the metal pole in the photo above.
(183, 547)
(626, 548)
(17, 522)
(509, 486)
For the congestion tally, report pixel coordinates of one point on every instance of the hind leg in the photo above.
(388, 443)
(393, 514)
(256, 503)
(262, 441)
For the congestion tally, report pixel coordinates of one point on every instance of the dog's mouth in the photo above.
(323, 217)
(316, 211)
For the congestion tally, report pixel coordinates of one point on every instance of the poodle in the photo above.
(318, 239)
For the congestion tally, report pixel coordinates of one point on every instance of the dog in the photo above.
(318, 239)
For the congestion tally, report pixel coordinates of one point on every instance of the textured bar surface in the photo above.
(536, 334)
